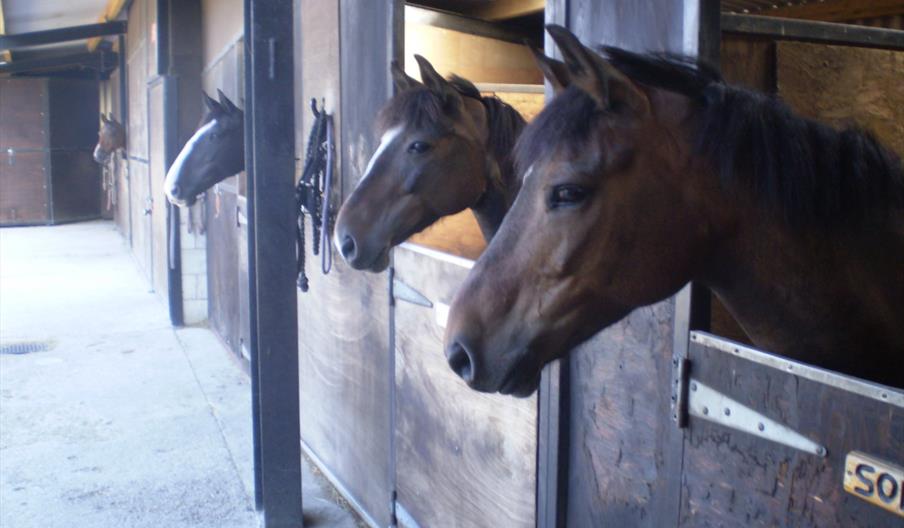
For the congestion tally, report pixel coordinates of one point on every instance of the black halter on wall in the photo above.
(312, 194)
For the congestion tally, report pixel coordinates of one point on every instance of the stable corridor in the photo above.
(120, 420)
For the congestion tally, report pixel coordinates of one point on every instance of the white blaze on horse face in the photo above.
(388, 137)
(527, 174)
(169, 185)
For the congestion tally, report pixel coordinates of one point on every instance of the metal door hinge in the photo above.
(705, 402)
(404, 292)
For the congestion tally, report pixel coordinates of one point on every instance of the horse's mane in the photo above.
(421, 107)
(805, 171)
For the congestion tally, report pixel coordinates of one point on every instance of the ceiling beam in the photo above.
(111, 12)
(838, 10)
(505, 9)
(95, 61)
(52, 36)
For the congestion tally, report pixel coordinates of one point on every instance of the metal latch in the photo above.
(707, 403)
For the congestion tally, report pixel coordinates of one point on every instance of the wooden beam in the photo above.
(838, 10)
(64, 34)
(84, 60)
(505, 9)
(813, 31)
(111, 12)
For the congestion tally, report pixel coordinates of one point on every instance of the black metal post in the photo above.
(252, 273)
(272, 218)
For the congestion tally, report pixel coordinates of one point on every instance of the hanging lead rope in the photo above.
(312, 194)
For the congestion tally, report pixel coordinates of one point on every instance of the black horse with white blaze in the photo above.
(215, 152)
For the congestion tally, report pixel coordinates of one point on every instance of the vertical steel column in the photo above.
(252, 273)
(272, 218)
(170, 135)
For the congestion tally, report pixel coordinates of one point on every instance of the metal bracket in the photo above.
(404, 292)
(707, 403)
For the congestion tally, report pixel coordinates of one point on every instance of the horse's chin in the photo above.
(182, 202)
(522, 378)
(381, 263)
(521, 385)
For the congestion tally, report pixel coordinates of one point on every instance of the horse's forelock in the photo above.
(564, 124)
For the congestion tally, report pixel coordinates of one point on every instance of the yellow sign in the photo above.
(875, 481)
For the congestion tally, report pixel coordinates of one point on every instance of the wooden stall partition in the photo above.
(845, 85)
(158, 91)
(345, 363)
(463, 458)
(225, 204)
(141, 199)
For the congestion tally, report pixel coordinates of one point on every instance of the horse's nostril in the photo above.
(348, 247)
(460, 362)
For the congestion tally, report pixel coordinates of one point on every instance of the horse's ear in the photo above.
(435, 82)
(226, 103)
(556, 72)
(401, 80)
(591, 73)
(212, 106)
(103, 118)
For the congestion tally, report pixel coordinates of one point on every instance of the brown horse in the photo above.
(110, 138)
(443, 148)
(648, 172)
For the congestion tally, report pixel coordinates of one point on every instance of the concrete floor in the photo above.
(124, 421)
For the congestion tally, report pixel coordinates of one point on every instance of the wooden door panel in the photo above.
(734, 478)
(463, 458)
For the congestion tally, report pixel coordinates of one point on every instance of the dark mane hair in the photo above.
(421, 107)
(804, 171)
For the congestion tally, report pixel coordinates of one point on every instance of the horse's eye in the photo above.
(567, 195)
(419, 147)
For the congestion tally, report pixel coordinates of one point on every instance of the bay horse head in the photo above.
(646, 172)
(215, 152)
(110, 137)
(443, 148)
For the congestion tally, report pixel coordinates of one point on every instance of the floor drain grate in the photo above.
(24, 347)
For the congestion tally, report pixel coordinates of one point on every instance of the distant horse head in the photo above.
(215, 152)
(443, 148)
(110, 138)
(647, 172)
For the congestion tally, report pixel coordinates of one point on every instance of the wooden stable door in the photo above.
(156, 116)
(772, 442)
(462, 458)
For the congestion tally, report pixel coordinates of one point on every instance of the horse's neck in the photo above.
(495, 202)
(502, 187)
(836, 301)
